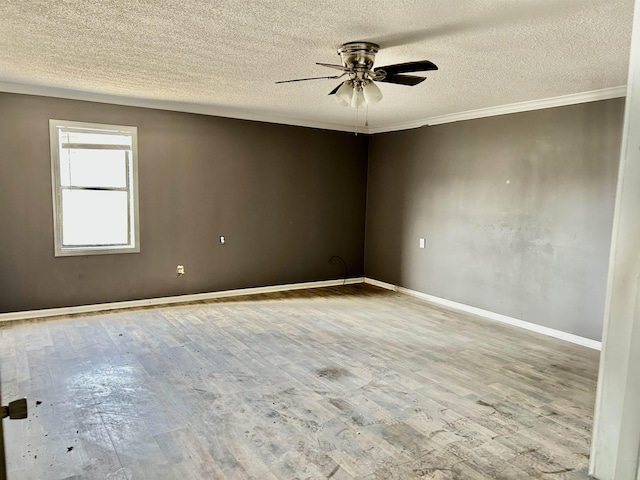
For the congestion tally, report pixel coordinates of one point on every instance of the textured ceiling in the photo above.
(227, 55)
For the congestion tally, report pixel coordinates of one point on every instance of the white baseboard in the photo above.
(148, 302)
(551, 332)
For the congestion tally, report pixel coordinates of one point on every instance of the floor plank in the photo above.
(349, 382)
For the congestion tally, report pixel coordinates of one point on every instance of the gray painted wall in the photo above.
(516, 209)
(286, 198)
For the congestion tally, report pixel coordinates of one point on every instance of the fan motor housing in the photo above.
(358, 55)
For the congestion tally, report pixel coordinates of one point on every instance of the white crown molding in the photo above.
(551, 332)
(218, 111)
(149, 302)
(202, 109)
(561, 101)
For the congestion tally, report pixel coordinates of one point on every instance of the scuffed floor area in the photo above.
(349, 382)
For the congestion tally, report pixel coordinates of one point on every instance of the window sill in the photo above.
(74, 252)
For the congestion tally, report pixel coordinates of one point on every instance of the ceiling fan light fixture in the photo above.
(371, 93)
(345, 93)
(360, 89)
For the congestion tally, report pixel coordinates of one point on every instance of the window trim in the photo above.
(134, 222)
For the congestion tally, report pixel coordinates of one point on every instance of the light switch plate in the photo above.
(423, 242)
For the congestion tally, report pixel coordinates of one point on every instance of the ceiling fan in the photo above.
(357, 63)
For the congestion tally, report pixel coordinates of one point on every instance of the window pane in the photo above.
(92, 217)
(92, 168)
(94, 138)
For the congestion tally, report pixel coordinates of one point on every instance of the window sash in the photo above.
(73, 167)
(104, 224)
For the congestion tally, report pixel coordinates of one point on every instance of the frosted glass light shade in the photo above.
(357, 100)
(344, 93)
(368, 94)
(372, 93)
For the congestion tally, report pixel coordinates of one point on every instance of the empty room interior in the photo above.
(307, 240)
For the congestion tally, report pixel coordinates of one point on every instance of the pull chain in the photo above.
(357, 118)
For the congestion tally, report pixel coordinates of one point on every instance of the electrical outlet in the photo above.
(222, 240)
(180, 269)
(423, 242)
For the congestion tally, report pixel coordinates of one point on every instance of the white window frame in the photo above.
(133, 246)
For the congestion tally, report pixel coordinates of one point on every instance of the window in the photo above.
(95, 188)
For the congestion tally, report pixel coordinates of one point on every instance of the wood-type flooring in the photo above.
(338, 383)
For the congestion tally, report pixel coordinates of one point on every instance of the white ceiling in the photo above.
(223, 57)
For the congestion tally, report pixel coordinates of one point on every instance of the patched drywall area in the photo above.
(286, 199)
(516, 211)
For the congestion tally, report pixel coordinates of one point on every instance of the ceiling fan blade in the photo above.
(421, 66)
(311, 78)
(333, 92)
(409, 80)
(337, 67)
